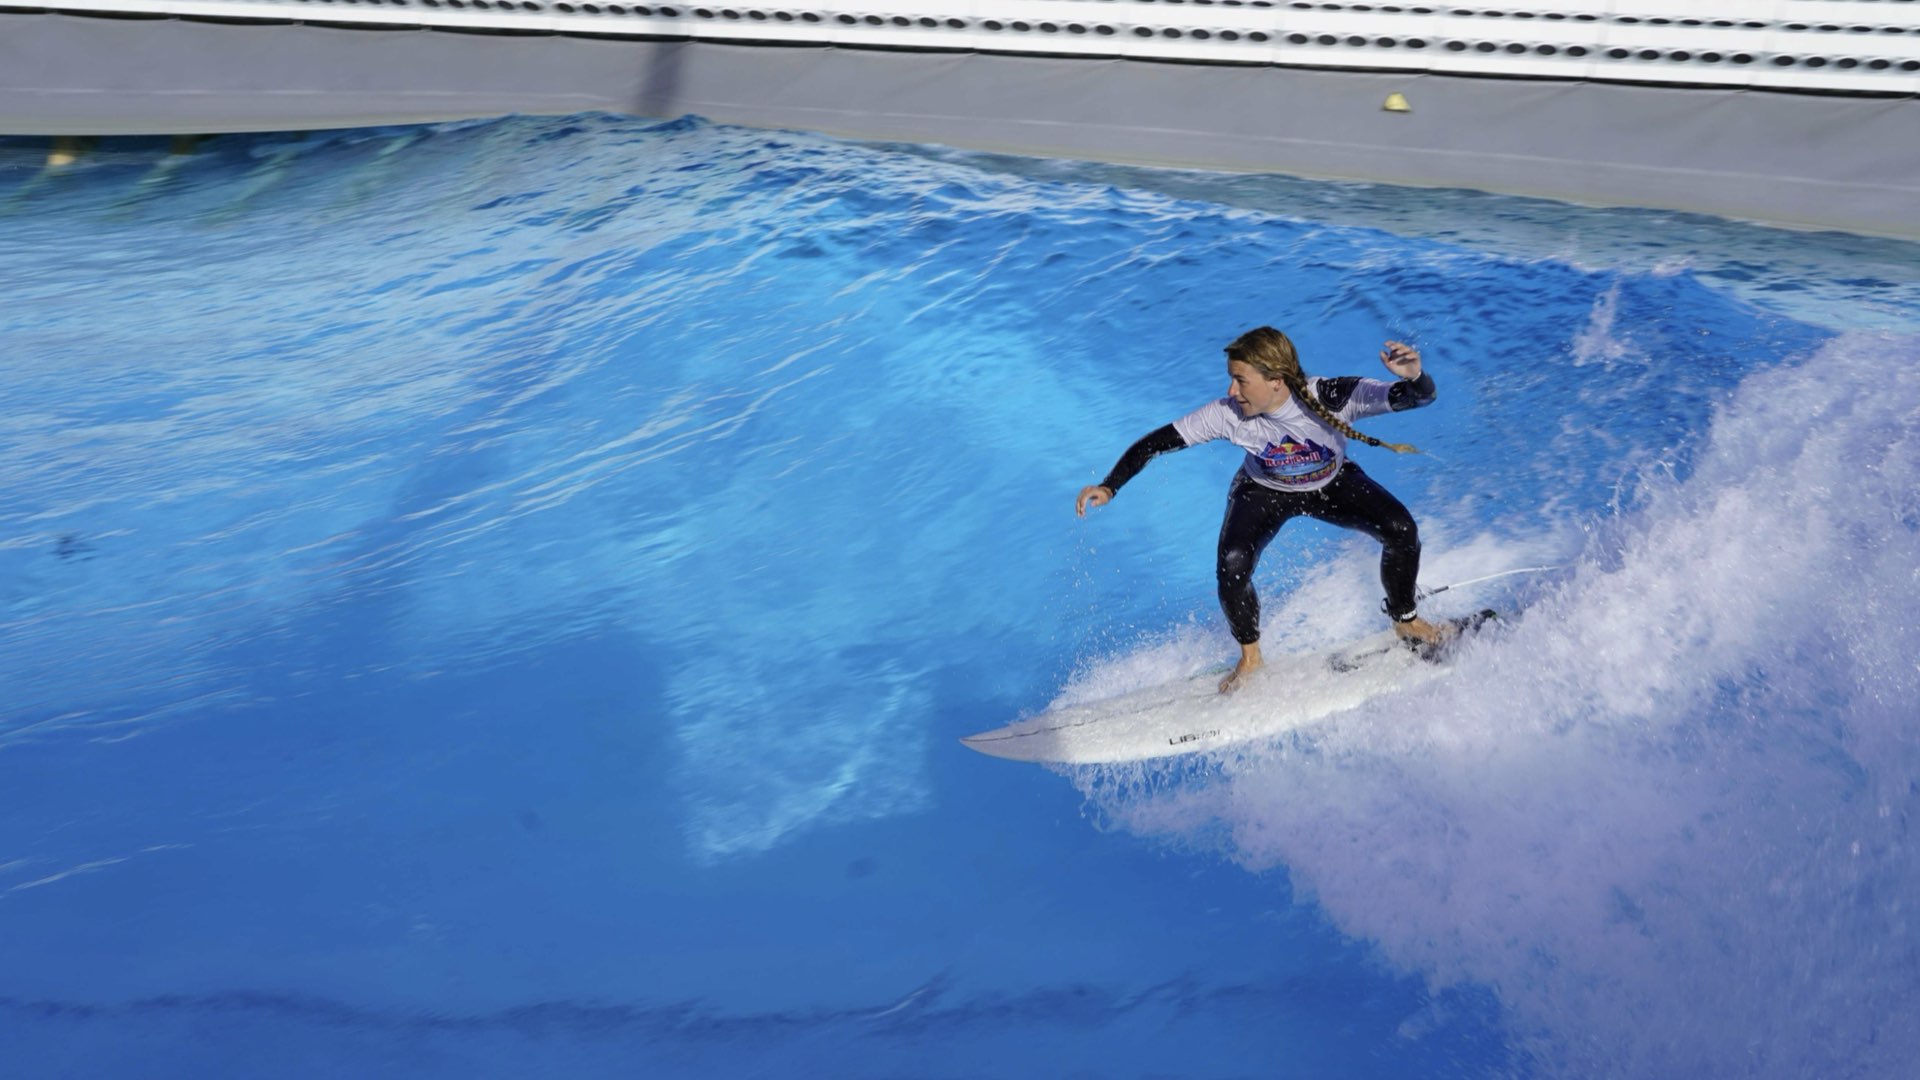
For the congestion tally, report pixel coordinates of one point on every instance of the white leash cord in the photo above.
(1424, 593)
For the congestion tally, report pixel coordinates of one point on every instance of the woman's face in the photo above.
(1253, 389)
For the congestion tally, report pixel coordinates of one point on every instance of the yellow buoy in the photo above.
(1397, 102)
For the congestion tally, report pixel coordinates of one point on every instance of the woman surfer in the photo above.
(1295, 431)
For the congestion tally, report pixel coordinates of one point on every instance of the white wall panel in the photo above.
(1848, 46)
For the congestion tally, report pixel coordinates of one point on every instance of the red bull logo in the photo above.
(1294, 461)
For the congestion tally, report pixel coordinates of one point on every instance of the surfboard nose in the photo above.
(994, 744)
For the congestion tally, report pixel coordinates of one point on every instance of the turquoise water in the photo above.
(499, 600)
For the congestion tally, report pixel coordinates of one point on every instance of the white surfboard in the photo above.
(1191, 715)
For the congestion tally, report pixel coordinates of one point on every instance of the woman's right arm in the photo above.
(1154, 443)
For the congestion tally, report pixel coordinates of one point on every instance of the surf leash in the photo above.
(1422, 594)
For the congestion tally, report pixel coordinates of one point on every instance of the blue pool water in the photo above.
(500, 600)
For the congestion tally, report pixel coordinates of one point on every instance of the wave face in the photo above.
(543, 565)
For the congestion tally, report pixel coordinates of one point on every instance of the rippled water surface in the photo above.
(499, 600)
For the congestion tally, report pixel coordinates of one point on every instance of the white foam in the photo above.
(1664, 816)
(1597, 342)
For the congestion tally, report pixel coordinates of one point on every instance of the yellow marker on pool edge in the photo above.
(66, 150)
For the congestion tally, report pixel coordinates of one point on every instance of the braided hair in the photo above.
(1272, 354)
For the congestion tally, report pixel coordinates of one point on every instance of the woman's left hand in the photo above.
(1401, 359)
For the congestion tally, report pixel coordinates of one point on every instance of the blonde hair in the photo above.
(1272, 354)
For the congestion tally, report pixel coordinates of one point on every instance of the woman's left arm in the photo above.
(1355, 398)
(1416, 386)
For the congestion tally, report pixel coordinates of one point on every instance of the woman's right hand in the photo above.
(1097, 495)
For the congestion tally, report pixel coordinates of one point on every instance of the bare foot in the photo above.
(1424, 632)
(1249, 663)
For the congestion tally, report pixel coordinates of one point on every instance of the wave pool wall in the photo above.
(1794, 136)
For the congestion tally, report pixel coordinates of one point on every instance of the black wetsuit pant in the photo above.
(1352, 500)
